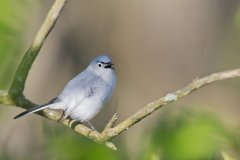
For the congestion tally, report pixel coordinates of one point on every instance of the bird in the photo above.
(86, 94)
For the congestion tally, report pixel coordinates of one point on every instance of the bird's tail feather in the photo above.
(31, 110)
(37, 108)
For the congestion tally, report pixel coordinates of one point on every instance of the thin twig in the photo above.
(111, 123)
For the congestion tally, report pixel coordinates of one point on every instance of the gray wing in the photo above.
(80, 87)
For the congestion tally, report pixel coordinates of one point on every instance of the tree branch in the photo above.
(169, 98)
(15, 95)
(110, 132)
(18, 84)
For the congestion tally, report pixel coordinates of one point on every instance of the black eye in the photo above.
(99, 65)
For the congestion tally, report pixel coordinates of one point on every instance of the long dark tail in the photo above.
(37, 108)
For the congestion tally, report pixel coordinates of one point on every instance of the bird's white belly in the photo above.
(86, 110)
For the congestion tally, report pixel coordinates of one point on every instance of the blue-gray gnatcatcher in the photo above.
(84, 96)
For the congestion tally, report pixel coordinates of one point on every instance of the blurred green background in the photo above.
(158, 46)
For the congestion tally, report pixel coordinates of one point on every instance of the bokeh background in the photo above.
(158, 46)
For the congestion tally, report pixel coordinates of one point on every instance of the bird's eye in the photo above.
(99, 65)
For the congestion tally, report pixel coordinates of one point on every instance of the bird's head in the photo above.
(101, 65)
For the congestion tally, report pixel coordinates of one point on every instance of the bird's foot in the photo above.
(91, 126)
(61, 119)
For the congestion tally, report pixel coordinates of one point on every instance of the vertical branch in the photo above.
(18, 84)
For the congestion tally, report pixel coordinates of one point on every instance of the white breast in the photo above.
(91, 105)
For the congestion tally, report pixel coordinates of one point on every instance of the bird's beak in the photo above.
(109, 65)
